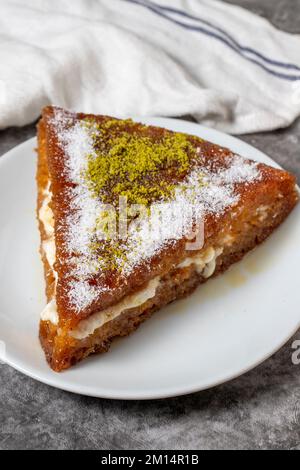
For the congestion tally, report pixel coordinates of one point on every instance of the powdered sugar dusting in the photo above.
(239, 172)
(172, 219)
(81, 293)
(77, 143)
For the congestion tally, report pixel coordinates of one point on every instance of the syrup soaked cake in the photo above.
(133, 217)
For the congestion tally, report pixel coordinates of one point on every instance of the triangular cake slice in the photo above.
(133, 217)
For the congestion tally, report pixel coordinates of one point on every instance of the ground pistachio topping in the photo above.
(166, 173)
(133, 165)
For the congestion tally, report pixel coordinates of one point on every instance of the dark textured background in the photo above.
(259, 410)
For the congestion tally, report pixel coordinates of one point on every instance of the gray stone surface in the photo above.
(259, 410)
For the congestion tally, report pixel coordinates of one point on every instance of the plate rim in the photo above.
(165, 392)
(149, 395)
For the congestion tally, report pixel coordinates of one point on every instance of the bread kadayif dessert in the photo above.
(133, 217)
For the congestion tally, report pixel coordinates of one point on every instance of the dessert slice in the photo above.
(133, 217)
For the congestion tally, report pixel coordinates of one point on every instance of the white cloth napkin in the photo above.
(227, 67)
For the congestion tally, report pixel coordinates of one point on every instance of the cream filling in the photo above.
(262, 212)
(205, 264)
(95, 321)
(50, 313)
(46, 217)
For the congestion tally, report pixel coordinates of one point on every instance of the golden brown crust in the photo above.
(275, 190)
(63, 351)
(212, 156)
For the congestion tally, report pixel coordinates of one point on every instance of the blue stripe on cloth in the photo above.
(227, 35)
(221, 36)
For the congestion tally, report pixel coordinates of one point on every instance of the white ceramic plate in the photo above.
(225, 328)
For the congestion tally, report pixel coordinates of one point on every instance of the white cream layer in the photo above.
(95, 321)
(50, 313)
(46, 217)
(205, 264)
